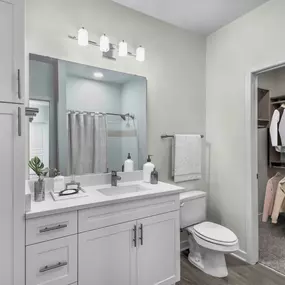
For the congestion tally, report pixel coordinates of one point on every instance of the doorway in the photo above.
(270, 158)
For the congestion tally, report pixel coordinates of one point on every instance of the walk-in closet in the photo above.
(271, 168)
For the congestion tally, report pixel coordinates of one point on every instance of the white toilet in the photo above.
(208, 242)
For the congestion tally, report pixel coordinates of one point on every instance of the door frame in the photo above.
(251, 161)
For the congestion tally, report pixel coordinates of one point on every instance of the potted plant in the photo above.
(39, 186)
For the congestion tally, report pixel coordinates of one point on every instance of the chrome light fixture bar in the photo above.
(122, 47)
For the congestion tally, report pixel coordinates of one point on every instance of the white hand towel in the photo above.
(187, 154)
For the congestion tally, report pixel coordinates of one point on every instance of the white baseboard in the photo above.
(240, 254)
(184, 245)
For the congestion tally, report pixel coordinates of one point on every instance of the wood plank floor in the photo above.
(240, 273)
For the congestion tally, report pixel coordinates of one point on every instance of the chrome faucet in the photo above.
(114, 178)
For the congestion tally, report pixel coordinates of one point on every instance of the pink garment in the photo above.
(271, 189)
(279, 202)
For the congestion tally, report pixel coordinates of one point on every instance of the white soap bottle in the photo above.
(129, 164)
(147, 169)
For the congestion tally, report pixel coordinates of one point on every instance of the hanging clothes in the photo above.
(281, 126)
(271, 189)
(279, 203)
(277, 129)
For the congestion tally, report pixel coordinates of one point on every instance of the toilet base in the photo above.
(209, 261)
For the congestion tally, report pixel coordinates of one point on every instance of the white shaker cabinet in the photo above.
(12, 35)
(108, 255)
(142, 252)
(133, 242)
(12, 202)
(158, 247)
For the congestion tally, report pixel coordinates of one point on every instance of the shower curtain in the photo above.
(87, 143)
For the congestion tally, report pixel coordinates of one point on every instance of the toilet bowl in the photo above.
(208, 242)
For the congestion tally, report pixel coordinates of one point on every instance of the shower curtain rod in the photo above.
(123, 116)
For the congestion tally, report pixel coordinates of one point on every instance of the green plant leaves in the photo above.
(38, 167)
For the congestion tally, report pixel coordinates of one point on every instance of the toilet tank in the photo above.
(192, 208)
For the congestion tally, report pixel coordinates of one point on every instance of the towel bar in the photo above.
(172, 136)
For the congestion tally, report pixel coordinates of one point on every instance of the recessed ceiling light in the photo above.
(98, 74)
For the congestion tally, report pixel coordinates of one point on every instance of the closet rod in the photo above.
(172, 136)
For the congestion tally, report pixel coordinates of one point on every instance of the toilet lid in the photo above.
(215, 233)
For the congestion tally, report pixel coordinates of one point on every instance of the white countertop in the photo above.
(95, 198)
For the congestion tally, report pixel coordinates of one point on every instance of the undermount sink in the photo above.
(120, 190)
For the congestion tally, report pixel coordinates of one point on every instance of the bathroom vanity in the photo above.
(123, 235)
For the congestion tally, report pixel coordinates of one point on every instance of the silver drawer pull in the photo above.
(19, 122)
(141, 237)
(48, 229)
(54, 266)
(19, 84)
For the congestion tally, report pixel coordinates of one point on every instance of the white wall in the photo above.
(92, 96)
(255, 40)
(174, 67)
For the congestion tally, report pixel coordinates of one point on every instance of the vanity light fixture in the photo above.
(83, 37)
(140, 54)
(104, 43)
(98, 75)
(107, 48)
(123, 48)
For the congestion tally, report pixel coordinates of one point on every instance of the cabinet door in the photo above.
(12, 196)
(12, 52)
(158, 253)
(108, 256)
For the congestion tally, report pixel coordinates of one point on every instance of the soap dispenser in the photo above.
(129, 164)
(147, 169)
(154, 177)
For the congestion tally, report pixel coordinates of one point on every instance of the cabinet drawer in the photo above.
(53, 262)
(99, 217)
(50, 227)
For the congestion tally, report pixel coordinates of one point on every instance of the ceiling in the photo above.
(201, 16)
(87, 72)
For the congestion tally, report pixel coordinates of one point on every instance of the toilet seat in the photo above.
(213, 246)
(215, 233)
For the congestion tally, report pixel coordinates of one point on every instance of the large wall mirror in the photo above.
(89, 118)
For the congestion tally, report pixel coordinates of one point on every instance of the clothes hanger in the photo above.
(278, 174)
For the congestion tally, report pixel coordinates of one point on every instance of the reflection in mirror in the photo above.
(89, 118)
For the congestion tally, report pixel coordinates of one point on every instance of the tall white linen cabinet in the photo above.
(12, 142)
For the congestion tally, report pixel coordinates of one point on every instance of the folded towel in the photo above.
(186, 157)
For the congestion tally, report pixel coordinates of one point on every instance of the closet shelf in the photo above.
(277, 164)
(277, 102)
(263, 123)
